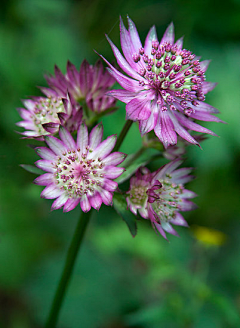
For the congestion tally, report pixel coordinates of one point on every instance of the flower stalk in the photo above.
(68, 269)
(123, 134)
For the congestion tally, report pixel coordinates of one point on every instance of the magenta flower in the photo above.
(159, 196)
(166, 88)
(44, 115)
(90, 84)
(79, 171)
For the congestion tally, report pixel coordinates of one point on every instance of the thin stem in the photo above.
(68, 268)
(123, 134)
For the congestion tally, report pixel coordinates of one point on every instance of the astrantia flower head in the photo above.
(159, 196)
(166, 88)
(44, 115)
(79, 171)
(90, 85)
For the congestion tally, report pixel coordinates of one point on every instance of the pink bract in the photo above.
(89, 84)
(166, 87)
(159, 196)
(80, 171)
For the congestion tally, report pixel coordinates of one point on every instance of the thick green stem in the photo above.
(67, 271)
(122, 134)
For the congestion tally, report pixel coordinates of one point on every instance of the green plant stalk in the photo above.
(68, 268)
(122, 135)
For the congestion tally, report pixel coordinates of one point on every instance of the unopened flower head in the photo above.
(166, 88)
(159, 196)
(79, 171)
(43, 115)
(89, 84)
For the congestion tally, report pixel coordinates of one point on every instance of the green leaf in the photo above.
(120, 205)
(32, 169)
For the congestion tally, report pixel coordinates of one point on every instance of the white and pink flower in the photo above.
(80, 171)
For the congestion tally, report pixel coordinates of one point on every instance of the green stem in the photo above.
(68, 268)
(123, 134)
(135, 156)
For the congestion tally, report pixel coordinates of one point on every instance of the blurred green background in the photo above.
(119, 281)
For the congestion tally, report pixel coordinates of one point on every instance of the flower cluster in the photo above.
(90, 85)
(166, 88)
(159, 196)
(164, 91)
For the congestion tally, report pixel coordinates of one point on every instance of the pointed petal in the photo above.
(160, 229)
(152, 36)
(122, 95)
(114, 158)
(51, 191)
(182, 132)
(133, 33)
(85, 77)
(95, 201)
(167, 169)
(113, 172)
(168, 36)
(127, 46)
(124, 81)
(25, 114)
(187, 205)
(167, 227)
(44, 179)
(164, 129)
(56, 145)
(45, 153)
(122, 62)
(45, 165)
(179, 220)
(67, 138)
(95, 136)
(204, 107)
(191, 125)
(208, 86)
(59, 202)
(106, 197)
(82, 137)
(70, 204)
(104, 148)
(206, 117)
(72, 73)
(146, 126)
(110, 185)
(138, 110)
(84, 203)
(179, 43)
(204, 65)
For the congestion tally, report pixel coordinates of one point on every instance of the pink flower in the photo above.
(90, 84)
(44, 115)
(159, 196)
(166, 88)
(80, 171)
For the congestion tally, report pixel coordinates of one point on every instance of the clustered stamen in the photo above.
(175, 74)
(46, 110)
(168, 200)
(78, 175)
(138, 194)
